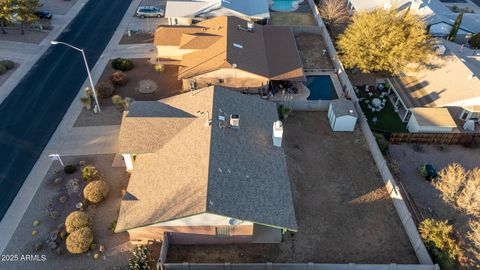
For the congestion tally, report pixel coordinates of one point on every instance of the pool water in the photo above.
(321, 87)
(282, 5)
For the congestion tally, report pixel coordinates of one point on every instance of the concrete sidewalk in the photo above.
(67, 140)
(25, 51)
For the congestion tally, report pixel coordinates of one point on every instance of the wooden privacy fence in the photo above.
(434, 138)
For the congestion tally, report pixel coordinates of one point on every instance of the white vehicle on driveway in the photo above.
(149, 11)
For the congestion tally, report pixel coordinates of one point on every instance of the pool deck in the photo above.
(299, 102)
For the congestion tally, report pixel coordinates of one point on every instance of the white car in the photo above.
(149, 11)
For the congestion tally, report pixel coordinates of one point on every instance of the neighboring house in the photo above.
(184, 12)
(439, 18)
(230, 52)
(449, 84)
(204, 169)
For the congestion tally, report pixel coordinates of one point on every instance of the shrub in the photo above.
(460, 188)
(80, 240)
(3, 69)
(438, 238)
(76, 220)
(121, 103)
(282, 112)
(112, 226)
(119, 78)
(7, 64)
(140, 259)
(117, 100)
(90, 173)
(469, 199)
(122, 64)
(105, 89)
(69, 169)
(475, 41)
(382, 143)
(96, 191)
(159, 68)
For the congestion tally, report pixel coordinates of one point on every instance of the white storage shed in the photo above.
(342, 115)
(431, 120)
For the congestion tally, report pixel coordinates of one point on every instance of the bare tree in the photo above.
(469, 198)
(451, 182)
(334, 12)
(474, 235)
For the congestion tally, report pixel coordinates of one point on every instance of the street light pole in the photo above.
(54, 42)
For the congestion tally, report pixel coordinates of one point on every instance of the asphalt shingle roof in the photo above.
(223, 42)
(207, 168)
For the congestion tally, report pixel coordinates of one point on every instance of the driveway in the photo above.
(33, 110)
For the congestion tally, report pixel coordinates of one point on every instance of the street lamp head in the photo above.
(54, 42)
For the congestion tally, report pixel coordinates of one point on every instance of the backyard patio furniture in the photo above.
(376, 102)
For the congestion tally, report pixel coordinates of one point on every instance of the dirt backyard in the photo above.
(343, 210)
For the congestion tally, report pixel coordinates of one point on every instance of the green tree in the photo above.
(453, 34)
(6, 13)
(384, 40)
(25, 10)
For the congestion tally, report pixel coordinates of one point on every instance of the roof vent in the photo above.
(236, 45)
(250, 26)
(234, 121)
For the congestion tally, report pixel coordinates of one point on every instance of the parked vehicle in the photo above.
(44, 15)
(149, 11)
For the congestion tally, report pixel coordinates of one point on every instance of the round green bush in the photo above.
(159, 68)
(76, 220)
(96, 191)
(119, 78)
(105, 89)
(3, 69)
(90, 173)
(7, 63)
(117, 100)
(122, 64)
(69, 169)
(79, 241)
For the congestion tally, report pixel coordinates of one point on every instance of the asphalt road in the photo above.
(33, 110)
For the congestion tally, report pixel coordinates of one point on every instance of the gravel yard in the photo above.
(425, 196)
(343, 210)
(166, 84)
(311, 49)
(117, 247)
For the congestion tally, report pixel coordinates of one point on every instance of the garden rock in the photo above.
(52, 239)
(72, 186)
(37, 246)
(62, 199)
(58, 181)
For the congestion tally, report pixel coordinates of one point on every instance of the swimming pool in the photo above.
(284, 5)
(321, 87)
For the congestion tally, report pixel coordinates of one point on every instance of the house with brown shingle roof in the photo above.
(204, 169)
(230, 52)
